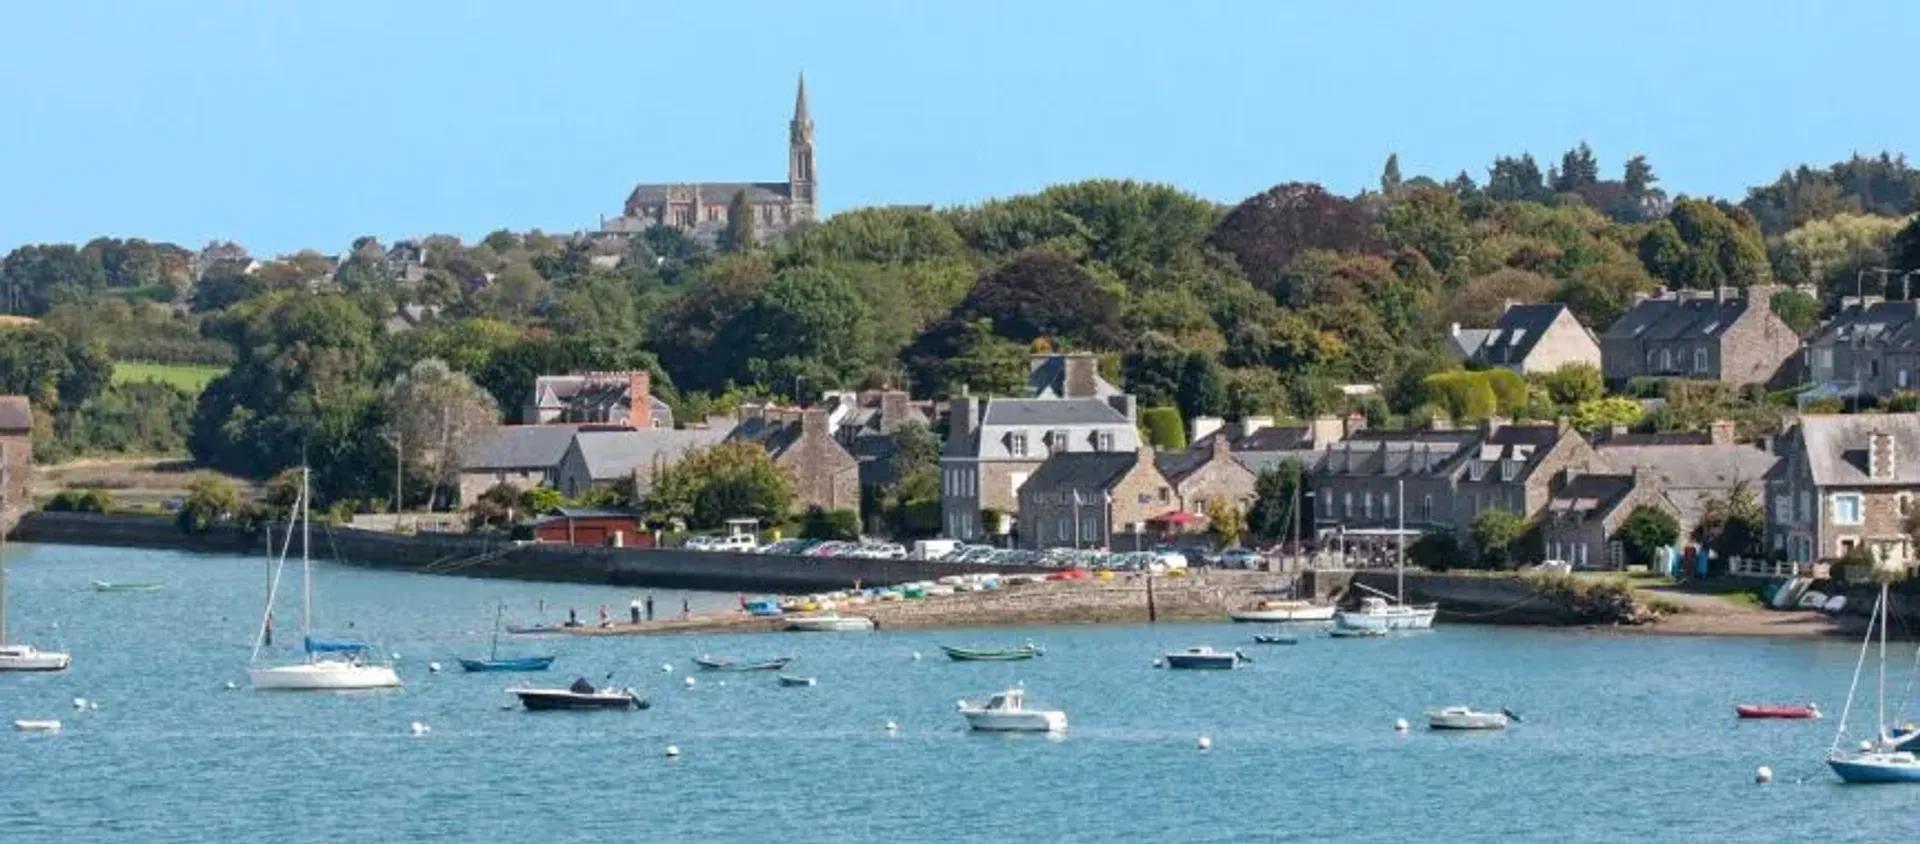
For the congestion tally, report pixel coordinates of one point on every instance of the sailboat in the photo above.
(1375, 613)
(493, 662)
(15, 656)
(329, 664)
(1880, 759)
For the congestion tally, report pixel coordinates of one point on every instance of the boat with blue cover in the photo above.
(1881, 759)
(493, 662)
(714, 664)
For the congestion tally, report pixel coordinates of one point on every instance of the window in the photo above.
(1017, 444)
(1846, 508)
(1166, 495)
(1650, 356)
(1057, 440)
(1089, 528)
(1906, 504)
(1806, 505)
(1617, 554)
(1873, 368)
(1386, 504)
(1508, 468)
(1477, 471)
(1900, 378)
(1426, 508)
(1061, 529)
(1700, 359)
(1666, 360)
(1783, 508)
(1103, 441)
(1346, 504)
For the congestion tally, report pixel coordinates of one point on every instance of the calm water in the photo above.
(1625, 738)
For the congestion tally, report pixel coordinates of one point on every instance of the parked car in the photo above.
(1240, 558)
(737, 542)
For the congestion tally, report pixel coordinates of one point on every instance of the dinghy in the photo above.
(795, 681)
(1019, 652)
(713, 664)
(1786, 712)
(30, 725)
(106, 586)
(494, 663)
(1205, 658)
(1275, 639)
(1467, 718)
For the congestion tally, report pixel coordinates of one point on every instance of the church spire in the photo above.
(800, 115)
(801, 182)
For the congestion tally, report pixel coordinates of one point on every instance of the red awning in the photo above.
(1177, 518)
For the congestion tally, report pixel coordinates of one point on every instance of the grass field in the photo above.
(184, 376)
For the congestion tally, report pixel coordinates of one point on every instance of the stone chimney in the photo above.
(1080, 374)
(640, 400)
(895, 408)
(1616, 432)
(1218, 447)
(1203, 426)
(961, 424)
(1326, 430)
(1453, 329)
(1722, 432)
(813, 420)
(1726, 294)
(1123, 403)
(752, 410)
(1882, 456)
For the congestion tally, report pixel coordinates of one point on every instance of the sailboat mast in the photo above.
(306, 560)
(1400, 533)
(493, 650)
(3, 585)
(1886, 620)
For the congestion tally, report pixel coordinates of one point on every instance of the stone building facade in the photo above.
(1844, 483)
(1581, 523)
(994, 445)
(1208, 472)
(1092, 500)
(1728, 335)
(702, 209)
(1527, 338)
(16, 457)
(802, 443)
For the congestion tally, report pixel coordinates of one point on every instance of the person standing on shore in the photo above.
(649, 606)
(603, 616)
(686, 608)
(633, 610)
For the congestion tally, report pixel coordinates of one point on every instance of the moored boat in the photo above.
(19, 656)
(1007, 712)
(580, 695)
(1376, 613)
(712, 664)
(1275, 639)
(1018, 652)
(1467, 718)
(37, 725)
(1786, 712)
(1282, 612)
(786, 680)
(105, 586)
(830, 623)
(524, 663)
(1358, 632)
(1205, 658)
(1879, 759)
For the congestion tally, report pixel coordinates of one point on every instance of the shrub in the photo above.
(824, 524)
(1164, 429)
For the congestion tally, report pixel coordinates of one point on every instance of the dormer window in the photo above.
(1017, 444)
(1103, 441)
(1057, 440)
(1477, 471)
(1666, 360)
(1509, 468)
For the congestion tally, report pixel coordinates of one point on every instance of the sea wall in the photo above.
(490, 557)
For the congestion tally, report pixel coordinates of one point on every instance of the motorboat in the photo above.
(493, 662)
(786, 680)
(1880, 759)
(1275, 639)
(36, 725)
(1007, 712)
(713, 664)
(105, 586)
(18, 656)
(580, 695)
(1467, 718)
(1205, 657)
(1018, 652)
(1358, 632)
(830, 623)
(533, 629)
(1281, 612)
(1377, 613)
(1786, 712)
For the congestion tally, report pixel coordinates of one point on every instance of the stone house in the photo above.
(16, 457)
(522, 456)
(1844, 483)
(802, 443)
(1690, 470)
(1092, 499)
(1448, 477)
(1260, 445)
(1582, 521)
(1527, 338)
(1727, 335)
(1206, 473)
(1870, 349)
(866, 424)
(596, 398)
(628, 458)
(994, 445)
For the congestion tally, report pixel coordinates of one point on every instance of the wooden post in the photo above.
(1153, 612)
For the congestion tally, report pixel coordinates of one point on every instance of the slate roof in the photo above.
(1670, 318)
(1891, 323)
(1591, 496)
(1047, 378)
(1176, 465)
(1466, 343)
(1293, 438)
(1518, 331)
(1051, 412)
(16, 414)
(1081, 470)
(522, 447)
(1691, 474)
(612, 455)
(758, 193)
(1836, 448)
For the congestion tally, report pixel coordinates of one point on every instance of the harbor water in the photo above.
(1624, 737)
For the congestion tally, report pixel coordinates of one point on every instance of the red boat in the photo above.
(1748, 710)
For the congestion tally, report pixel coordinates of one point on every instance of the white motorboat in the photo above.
(30, 725)
(1467, 718)
(830, 623)
(1281, 612)
(1007, 712)
(16, 656)
(1376, 613)
(329, 665)
(1205, 657)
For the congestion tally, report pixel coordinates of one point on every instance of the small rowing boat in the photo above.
(1275, 639)
(107, 586)
(712, 664)
(795, 681)
(1018, 652)
(1205, 658)
(1358, 632)
(1467, 718)
(1786, 712)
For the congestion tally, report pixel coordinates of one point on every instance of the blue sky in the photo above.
(287, 124)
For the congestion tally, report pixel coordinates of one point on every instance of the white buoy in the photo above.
(1205, 743)
(916, 656)
(723, 684)
(93, 706)
(1763, 775)
(79, 703)
(666, 668)
(433, 668)
(231, 685)
(1399, 725)
(959, 704)
(420, 729)
(1156, 663)
(689, 682)
(396, 657)
(892, 727)
(673, 751)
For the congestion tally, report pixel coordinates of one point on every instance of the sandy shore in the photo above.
(1204, 597)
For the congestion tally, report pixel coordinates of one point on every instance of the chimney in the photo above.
(1254, 424)
(1218, 447)
(1492, 425)
(1726, 294)
(752, 410)
(1616, 432)
(813, 420)
(1080, 372)
(1882, 455)
(1453, 329)
(640, 400)
(1123, 403)
(1326, 430)
(1659, 291)
(895, 407)
(1722, 432)
(960, 424)
(1204, 426)
(1355, 422)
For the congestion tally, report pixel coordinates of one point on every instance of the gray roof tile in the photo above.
(1837, 448)
(522, 447)
(1052, 412)
(610, 455)
(16, 414)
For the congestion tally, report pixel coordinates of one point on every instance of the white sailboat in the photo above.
(18, 656)
(329, 665)
(1375, 613)
(1880, 759)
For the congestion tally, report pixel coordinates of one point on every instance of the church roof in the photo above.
(800, 114)
(758, 193)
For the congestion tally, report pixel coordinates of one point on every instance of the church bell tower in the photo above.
(800, 175)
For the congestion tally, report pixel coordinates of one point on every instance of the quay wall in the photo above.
(1478, 598)
(478, 556)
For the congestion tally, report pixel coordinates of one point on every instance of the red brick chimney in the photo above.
(640, 399)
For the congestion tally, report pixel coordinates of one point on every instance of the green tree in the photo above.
(1578, 169)
(823, 524)
(1497, 534)
(1163, 428)
(1226, 520)
(1573, 384)
(435, 417)
(1390, 175)
(1277, 492)
(1516, 180)
(1733, 525)
(209, 501)
(739, 235)
(1798, 310)
(1703, 246)
(728, 481)
(1647, 530)
(1601, 414)
(1203, 388)
(804, 315)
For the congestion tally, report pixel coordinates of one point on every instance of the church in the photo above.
(701, 209)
